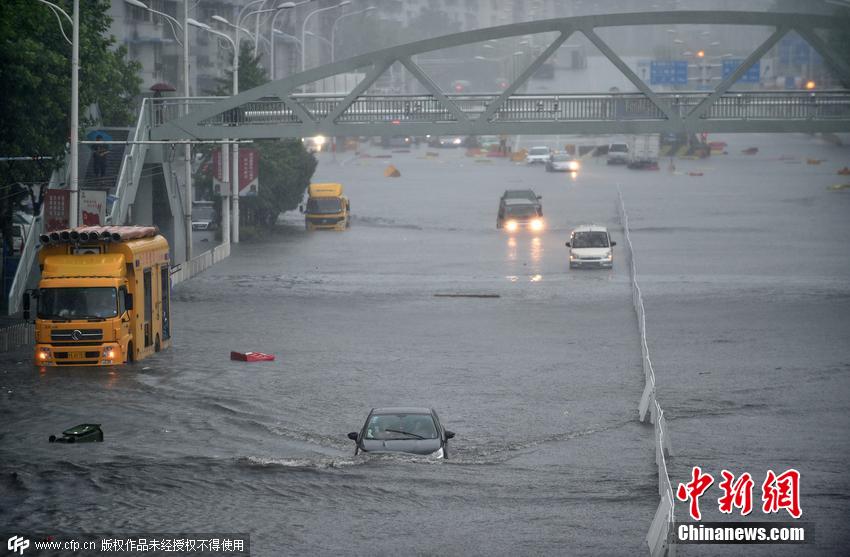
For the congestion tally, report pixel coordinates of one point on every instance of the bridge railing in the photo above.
(131, 166)
(659, 535)
(611, 107)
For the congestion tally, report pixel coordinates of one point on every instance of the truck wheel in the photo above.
(156, 345)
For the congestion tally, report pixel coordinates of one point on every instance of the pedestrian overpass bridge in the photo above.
(149, 187)
(284, 109)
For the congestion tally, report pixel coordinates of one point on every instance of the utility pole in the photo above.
(74, 194)
(187, 213)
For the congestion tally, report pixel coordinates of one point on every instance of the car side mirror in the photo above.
(353, 436)
(613, 244)
(128, 301)
(539, 197)
(567, 244)
(26, 306)
(450, 434)
(301, 208)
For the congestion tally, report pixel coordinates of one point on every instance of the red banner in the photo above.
(56, 209)
(249, 171)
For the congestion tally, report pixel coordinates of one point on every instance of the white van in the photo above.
(591, 246)
(618, 153)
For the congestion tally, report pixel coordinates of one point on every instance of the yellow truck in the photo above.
(103, 298)
(327, 208)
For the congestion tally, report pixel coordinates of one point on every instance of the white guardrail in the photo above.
(16, 335)
(198, 264)
(659, 531)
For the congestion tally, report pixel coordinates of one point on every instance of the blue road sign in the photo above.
(752, 75)
(671, 72)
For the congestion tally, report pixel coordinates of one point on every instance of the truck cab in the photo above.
(103, 300)
(327, 208)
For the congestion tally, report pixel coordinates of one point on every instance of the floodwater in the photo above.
(744, 271)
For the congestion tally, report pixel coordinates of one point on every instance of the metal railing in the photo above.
(196, 265)
(20, 334)
(131, 167)
(660, 529)
(750, 105)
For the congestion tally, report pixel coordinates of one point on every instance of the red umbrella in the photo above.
(162, 86)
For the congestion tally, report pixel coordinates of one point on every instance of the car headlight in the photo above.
(573, 257)
(457, 141)
(437, 454)
(573, 165)
(537, 224)
(511, 225)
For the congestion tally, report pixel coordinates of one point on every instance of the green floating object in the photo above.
(83, 433)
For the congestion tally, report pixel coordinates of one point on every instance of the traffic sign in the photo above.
(752, 75)
(671, 72)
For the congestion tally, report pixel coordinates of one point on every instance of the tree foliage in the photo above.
(35, 86)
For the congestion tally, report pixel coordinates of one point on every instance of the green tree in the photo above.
(35, 87)
(285, 166)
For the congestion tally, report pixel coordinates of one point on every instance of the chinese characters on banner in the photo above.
(92, 208)
(249, 171)
(778, 492)
(56, 207)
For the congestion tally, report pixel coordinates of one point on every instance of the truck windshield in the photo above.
(323, 205)
(618, 148)
(590, 240)
(77, 303)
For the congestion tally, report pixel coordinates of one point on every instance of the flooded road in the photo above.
(744, 271)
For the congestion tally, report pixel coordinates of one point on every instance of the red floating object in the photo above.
(251, 357)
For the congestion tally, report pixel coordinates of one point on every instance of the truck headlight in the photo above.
(109, 353)
(511, 225)
(43, 354)
(608, 256)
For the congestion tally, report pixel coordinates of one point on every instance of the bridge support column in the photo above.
(225, 193)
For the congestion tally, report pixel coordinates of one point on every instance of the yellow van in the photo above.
(327, 208)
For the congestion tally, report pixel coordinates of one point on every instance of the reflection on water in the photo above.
(536, 249)
(536, 278)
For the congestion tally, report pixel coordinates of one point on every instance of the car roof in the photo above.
(540, 147)
(589, 228)
(520, 201)
(402, 410)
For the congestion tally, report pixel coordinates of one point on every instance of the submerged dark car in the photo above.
(402, 430)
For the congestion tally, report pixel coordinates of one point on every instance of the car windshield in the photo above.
(203, 212)
(539, 151)
(590, 240)
(521, 210)
(401, 426)
(618, 148)
(323, 205)
(519, 194)
(560, 158)
(77, 303)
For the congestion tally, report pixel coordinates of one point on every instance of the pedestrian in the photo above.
(99, 155)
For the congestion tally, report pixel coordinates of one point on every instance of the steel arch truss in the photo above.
(277, 109)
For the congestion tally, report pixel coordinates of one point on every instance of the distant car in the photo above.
(447, 141)
(618, 153)
(537, 155)
(562, 162)
(516, 214)
(203, 216)
(591, 246)
(397, 141)
(403, 430)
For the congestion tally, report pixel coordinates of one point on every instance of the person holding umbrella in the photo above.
(99, 155)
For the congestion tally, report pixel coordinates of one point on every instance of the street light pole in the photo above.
(225, 154)
(304, 29)
(74, 202)
(333, 29)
